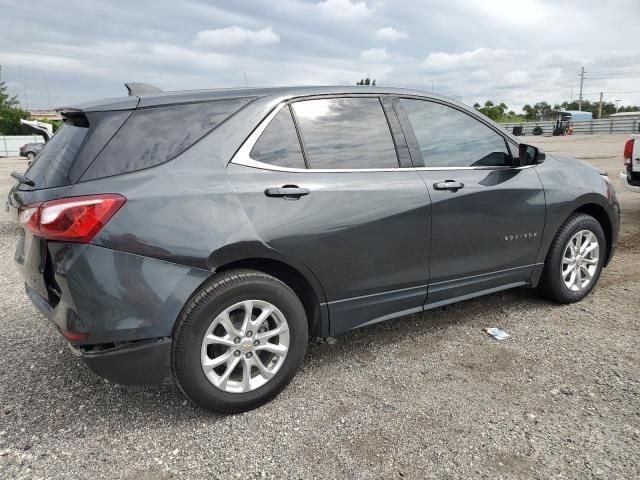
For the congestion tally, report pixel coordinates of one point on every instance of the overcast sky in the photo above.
(512, 51)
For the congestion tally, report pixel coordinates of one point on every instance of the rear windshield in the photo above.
(155, 135)
(49, 169)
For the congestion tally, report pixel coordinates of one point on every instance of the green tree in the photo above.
(5, 99)
(10, 120)
(366, 81)
(494, 112)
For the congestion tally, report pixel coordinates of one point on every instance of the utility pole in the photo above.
(581, 82)
(245, 80)
(600, 107)
(617, 102)
(431, 86)
(24, 86)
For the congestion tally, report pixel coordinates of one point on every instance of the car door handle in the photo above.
(451, 185)
(287, 191)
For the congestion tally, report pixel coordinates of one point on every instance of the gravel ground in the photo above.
(424, 396)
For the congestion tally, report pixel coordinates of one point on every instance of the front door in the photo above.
(487, 216)
(341, 205)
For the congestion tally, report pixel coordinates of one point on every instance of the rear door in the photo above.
(487, 216)
(321, 183)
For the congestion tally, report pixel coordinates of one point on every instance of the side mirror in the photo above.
(529, 155)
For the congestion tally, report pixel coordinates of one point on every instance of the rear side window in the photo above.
(348, 133)
(70, 151)
(450, 138)
(154, 135)
(279, 145)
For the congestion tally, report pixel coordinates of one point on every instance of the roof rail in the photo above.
(141, 88)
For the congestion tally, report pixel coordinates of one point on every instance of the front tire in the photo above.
(575, 260)
(31, 156)
(239, 341)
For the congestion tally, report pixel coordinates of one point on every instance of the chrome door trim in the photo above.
(243, 157)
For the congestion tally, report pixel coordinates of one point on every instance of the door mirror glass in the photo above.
(529, 155)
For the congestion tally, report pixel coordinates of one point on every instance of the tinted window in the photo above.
(70, 151)
(346, 133)
(50, 167)
(450, 138)
(279, 144)
(154, 135)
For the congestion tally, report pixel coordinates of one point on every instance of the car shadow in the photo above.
(392, 332)
(62, 383)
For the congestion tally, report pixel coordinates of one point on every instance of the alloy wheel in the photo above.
(245, 346)
(580, 260)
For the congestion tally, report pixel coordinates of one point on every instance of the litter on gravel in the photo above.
(497, 333)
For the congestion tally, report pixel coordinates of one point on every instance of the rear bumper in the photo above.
(141, 363)
(109, 295)
(627, 186)
(118, 308)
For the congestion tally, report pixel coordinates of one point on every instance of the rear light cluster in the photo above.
(628, 151)
(72, 219)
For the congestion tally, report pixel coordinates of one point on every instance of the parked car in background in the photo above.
(203, 236)
(630, 176)
(30, 150)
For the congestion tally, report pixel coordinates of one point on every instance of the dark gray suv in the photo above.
(203, 236)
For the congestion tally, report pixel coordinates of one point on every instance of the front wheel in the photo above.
(239, 341)
(575, 259)
(31, 155)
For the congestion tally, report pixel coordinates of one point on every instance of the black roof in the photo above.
(191, 96)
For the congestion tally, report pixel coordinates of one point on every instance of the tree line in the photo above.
(10, 112)
(545, 111)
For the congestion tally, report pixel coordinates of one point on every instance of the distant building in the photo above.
(45, 115)
(625, 114)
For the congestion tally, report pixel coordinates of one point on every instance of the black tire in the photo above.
(537, 130)
(31, 155)
(551, 284)
(222, 291)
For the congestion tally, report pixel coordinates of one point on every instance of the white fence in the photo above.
(10, 144)
(605, 125)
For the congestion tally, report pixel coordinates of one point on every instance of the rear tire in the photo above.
(215, 342)
(575, 260)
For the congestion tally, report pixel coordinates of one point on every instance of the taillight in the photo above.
(29, 217)
(628, 151)
(73, 219)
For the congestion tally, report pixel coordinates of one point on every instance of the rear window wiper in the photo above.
(23, 179)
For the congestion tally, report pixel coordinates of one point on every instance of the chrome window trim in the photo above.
(243, 157)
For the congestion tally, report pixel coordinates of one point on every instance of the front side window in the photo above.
(450, 138)
(279, 145)
(345, 133)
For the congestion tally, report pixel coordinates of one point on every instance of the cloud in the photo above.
(496, 53)
(390, 33)
(374, 55)
(233, 36)
(345, 9)
(470, 59)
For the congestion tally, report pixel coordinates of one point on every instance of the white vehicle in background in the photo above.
(630, 176)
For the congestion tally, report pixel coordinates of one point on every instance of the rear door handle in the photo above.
(451, 185)
(287, 191)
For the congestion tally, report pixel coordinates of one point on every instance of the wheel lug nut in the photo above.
(237, 353)
(256, 343)
(249, 333)
(236, 340)
(248, 355)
